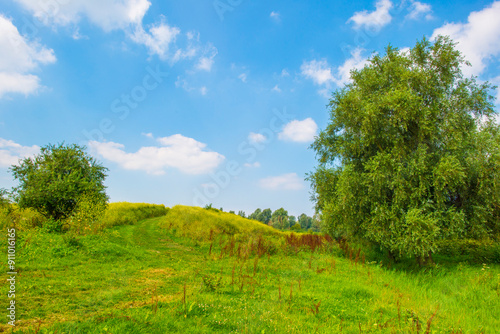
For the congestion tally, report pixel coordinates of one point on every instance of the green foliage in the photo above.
(296, 227)
(255, 215)
(305, 221)
(88, 214)
(211, 283)
(242, 214)
(4, 200)
(23, 219)
(411, 155)
(53, 181)
(471, 250)
(209, 207)
(279, 219)
(265, 216)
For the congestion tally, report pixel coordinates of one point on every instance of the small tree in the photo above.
(305, 221)
(242, 213)
(279, 219)
(411, 155)
(54, 181)
(265, 216)
(255, 214)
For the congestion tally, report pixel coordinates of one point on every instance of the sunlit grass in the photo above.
(201, 271)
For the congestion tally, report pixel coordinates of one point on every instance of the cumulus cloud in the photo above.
(185, 154)
(317, 70)
(207, 60)
(376, 19)
(157, 40)
(282, 182)
(106, 14)
(324, 74)
(478, 39)
(299, 131)
(418, 10)
(127, 15)
(18, 57)
(11, 152)
(356, 62)
(256, 138)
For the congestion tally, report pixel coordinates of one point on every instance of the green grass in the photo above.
(198, 271)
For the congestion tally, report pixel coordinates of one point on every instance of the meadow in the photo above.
(150, 269)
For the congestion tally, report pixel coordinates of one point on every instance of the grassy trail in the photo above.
(150, 278)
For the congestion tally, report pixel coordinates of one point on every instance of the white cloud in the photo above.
(324, 74)
(19, 57)
(157, 40)
(106, 14)
(243, 77)
(206, 62)
(478, 39)
(11, 152)
(176, 151)
(317, 70)
(254, 165)
(126, 15)
(149, 135)
(282, 182)
(418, 9)
(357, 61)
(275, 16)
(276, 89)
(256, 138)
(299, 131)
(203, 90)
(284, 73)
(373, 20)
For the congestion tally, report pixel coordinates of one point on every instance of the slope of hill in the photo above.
(201, 271)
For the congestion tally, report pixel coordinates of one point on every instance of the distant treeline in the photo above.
(279, 219)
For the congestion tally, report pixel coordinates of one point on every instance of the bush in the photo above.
(476, 251)
(53, 181)
(22, 218)
(87, 215)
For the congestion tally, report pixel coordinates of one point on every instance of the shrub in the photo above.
(53, 181)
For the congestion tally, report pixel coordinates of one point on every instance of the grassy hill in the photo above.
(193, 270)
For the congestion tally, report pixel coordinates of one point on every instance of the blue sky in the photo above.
(197, 102)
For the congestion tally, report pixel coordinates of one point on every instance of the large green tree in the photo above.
(54, 181)
(411, 153)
